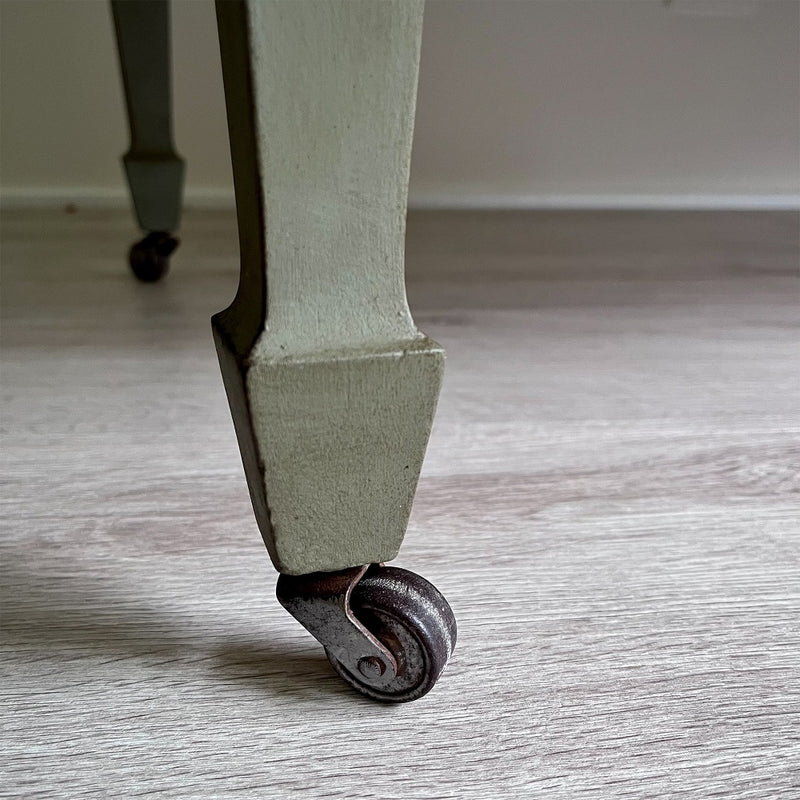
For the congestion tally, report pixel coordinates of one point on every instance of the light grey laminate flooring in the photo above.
(610, 502)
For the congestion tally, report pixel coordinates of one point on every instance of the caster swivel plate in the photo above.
(149, 257)
(386, 631)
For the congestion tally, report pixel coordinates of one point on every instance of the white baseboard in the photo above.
(607, 201)
(93, 197)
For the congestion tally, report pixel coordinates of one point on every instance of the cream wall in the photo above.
(538, 102)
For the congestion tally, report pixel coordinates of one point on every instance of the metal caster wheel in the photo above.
(411, 617)
(387, 632)
(149, 258)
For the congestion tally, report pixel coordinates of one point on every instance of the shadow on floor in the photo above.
(67, 620)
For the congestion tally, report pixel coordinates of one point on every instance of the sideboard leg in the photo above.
(153, 169)
(331, 385)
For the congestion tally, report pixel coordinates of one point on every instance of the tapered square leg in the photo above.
(154, 171)
(332, 387)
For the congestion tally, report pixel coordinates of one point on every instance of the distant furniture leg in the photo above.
(153, 169)
(331, 385)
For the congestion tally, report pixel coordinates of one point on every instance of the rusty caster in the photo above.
(386, 631)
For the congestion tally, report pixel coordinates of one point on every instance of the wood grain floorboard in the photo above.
(610, 502)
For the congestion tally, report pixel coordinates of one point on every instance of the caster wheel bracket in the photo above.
(320, 602)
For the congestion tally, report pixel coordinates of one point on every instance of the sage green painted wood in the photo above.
(154, 171)
(332, 387)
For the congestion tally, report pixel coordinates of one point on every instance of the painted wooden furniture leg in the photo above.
(331, 385)
(154, 170)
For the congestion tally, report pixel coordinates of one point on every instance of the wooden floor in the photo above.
(610, 502)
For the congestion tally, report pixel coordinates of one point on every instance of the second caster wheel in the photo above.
(149, 258)
(411, 617)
